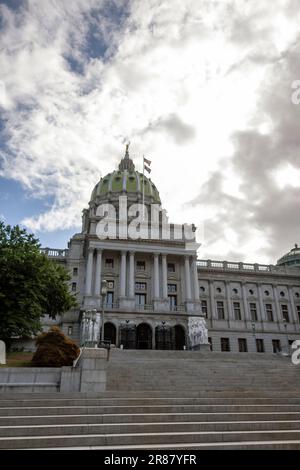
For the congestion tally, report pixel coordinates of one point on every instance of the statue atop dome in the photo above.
(126, 162)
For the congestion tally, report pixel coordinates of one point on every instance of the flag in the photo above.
(147, 164)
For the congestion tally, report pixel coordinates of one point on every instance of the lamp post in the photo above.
(103, 295)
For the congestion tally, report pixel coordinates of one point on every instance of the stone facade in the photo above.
(160, 296)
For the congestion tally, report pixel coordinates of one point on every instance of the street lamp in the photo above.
(103, 295)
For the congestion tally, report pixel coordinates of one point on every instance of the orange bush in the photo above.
(54, 349)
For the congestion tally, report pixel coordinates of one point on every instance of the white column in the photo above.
(89, 272)
(229, 303)
(214, 315)
(245, 302)
(131, 274)
(123, 274)
(164, 277)
(277, 305)
(156, 277)
(98, 272)
(293, 309)
(261, 304)
(188, 291)
(196, 281)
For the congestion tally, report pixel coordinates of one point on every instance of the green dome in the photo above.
(126, 181)
(292, 258)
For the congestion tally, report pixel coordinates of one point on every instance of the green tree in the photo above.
(31, 285)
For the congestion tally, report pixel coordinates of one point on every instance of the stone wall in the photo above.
(89, 375)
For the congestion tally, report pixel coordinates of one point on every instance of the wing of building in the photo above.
(159, 296)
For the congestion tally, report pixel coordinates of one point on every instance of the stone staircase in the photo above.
(165, 400)
(195, 370)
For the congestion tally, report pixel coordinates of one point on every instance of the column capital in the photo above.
(123, 252)
(91, 249)
(99, 250)
(132, 252)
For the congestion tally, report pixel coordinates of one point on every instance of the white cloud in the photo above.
(177, 78)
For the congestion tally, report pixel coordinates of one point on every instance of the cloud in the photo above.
(203, 88)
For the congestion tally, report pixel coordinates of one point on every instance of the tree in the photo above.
(54, 349)
(31, 285)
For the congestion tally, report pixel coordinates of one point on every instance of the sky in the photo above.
(205, 89)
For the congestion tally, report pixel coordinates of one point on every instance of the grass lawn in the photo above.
(18, 359)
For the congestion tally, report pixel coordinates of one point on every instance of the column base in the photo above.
(127, 303)
(161, 304)
(91, 302)
(193, 306)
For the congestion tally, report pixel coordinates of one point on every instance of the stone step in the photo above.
(135, 401)
(149, 408)
(144, 439)
(254, 445)
(146, 428)
(120, 418)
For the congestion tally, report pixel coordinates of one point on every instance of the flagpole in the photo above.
(143, 188)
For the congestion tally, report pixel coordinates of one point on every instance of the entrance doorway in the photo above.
(179, 337)
(144, 336)
(163, 337)
(110, 332)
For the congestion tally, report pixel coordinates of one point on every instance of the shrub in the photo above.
(54, 349)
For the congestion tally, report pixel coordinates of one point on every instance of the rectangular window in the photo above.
(269, 312)
(298, 311)
(140, 299)
(110, 284)
(70, 330)
(172, 288)
(210, 344)
(173, 302)
(204, 307)
(237, 310)
(74, 286)
(141, 286)
(285, 312)
(75, 271)
(253, 311)
(225, 345)
(260, 348)
(171, 268)
(109, 263)
(276, 345)
(140, 266)
(242, 345)
(109, 299)
(220, 310)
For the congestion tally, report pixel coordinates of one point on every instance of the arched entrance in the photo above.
(144, 336)
(110, 332)
(179, 337)
(163, 339)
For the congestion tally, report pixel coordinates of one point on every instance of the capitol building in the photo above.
(157, 294)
